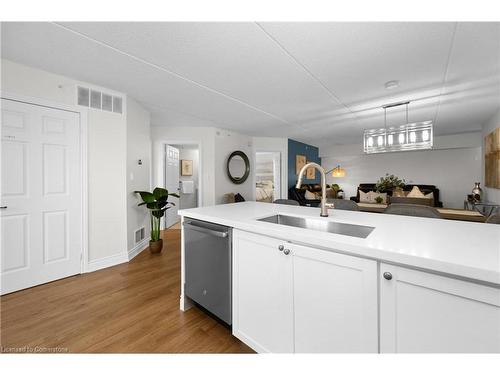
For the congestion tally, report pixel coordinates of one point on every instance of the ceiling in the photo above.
(321, 83)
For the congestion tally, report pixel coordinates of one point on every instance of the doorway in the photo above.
(42, 190)
(182, 167)
(267, 176)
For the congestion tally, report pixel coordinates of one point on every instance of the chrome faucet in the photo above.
(324, 209)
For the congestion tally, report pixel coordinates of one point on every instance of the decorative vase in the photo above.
(155, 247)
(477, 192)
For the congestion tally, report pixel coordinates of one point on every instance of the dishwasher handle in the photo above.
(199, 228)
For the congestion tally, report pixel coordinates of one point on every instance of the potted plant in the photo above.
(389, 182)
(157, 202)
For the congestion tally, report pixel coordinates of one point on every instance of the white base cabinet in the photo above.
(427, 313)
(291, 298)
(335, 302)
(262, 294)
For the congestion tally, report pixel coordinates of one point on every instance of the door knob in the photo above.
(387, 275)
(286, 251)
(281, 247)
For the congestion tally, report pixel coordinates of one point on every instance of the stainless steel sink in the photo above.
(352, 230)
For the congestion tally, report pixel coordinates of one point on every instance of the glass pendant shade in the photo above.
(409, 137)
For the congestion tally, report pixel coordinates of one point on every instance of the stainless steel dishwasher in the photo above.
(208, 253)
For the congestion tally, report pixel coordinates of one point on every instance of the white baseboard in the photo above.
(138, 248)
(108, 261)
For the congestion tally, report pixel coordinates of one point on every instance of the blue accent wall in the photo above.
(311, 153)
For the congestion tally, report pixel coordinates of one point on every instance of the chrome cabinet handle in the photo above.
(281, 247)
(387, 275)
(286, 251)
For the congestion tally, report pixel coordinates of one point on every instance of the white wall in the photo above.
(107, 214)
(225, 143)
(138, 176)
(189, 200)
(491, 194)
(453, 166)
(275, 144)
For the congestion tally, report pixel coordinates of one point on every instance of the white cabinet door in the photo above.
(335, 302)
(262, 293)
(41, 192)
(426, 313)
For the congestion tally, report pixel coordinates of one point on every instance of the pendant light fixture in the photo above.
(407, 137)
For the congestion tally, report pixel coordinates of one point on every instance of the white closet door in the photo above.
(41, 196)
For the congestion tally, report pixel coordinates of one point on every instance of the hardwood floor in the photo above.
(129, 308)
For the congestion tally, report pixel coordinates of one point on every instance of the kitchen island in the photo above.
(412, 285)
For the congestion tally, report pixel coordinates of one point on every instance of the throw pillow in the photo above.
(370, 197)
(416, 193)
(228, 198)
(364, 197)
(381, 195)
(309, 195)
(239, 198)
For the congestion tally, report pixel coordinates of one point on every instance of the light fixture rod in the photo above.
(395, 104)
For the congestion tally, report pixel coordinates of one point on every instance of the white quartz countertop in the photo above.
(464, 249)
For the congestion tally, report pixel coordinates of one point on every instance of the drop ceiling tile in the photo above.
(241, 61)
(237, 59)
(475, 53)
(43, 45)
(354, 60)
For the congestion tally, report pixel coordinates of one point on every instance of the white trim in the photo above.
(138, 248)
(254, 180)
(160, 177)
(109, 261)
(83, 113)
(185, 303)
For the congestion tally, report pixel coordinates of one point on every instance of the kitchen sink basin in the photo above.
(360, 231)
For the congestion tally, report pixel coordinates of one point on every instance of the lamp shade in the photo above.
(338, 172)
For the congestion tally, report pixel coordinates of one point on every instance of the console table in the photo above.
(484, 208)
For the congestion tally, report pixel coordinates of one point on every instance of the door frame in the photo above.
(160, 177)
(254, 180)
(83, 114)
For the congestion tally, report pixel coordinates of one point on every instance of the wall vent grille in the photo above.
(99, 100)
(140, 234)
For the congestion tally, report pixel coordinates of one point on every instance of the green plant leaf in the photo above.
(146, 196)
(159, 193)
(153, 206)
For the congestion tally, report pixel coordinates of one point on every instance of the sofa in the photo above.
(299, 194)
(426, 189)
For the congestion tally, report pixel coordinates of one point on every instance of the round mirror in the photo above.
(238, 167)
